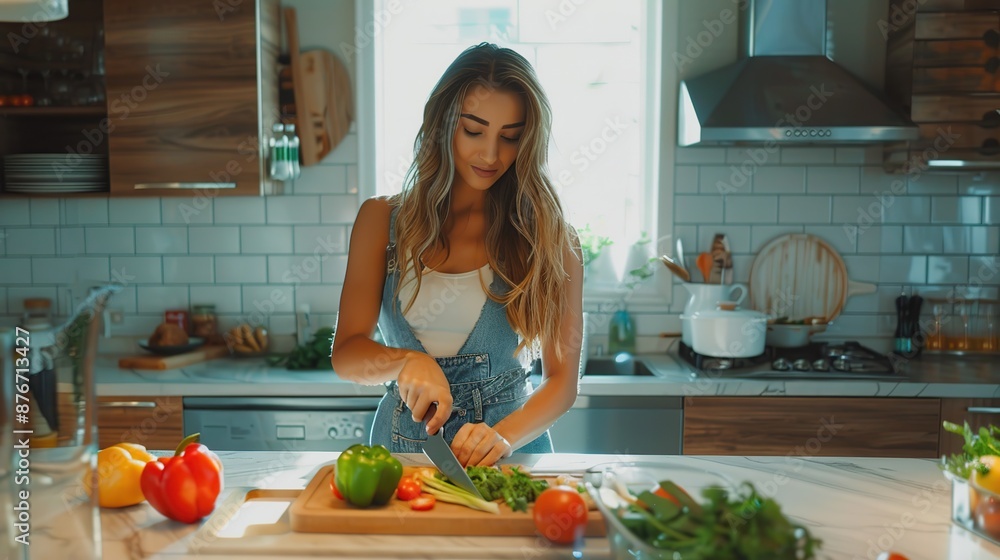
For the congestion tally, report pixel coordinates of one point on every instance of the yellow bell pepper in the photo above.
(118, 470)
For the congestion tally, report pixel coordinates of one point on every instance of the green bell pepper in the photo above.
(367, 475)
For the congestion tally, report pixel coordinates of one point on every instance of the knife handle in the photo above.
(431, 410)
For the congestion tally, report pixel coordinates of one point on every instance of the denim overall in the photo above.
(487, 381)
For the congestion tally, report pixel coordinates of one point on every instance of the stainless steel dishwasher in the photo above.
(280, 423)
(621, 425)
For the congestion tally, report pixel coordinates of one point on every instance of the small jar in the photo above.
(203, 322)
(37, 314)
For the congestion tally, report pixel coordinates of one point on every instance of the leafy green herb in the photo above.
(976, 445)
(742, 525)
(314, 354)
(516, 488)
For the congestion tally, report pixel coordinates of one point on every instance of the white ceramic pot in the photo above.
(728, 334)
(706, 297)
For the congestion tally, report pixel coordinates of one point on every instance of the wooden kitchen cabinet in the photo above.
(811, 426)
(943, 65)
(155, 422)
(192, 95)
(977, 412)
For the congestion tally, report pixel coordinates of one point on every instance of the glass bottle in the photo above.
(279, 153)
(293, 152)
(621, 333)
(204, 323)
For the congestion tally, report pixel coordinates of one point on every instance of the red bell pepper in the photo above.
(183, 487)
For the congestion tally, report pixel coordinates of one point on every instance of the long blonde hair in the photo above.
(527, 231)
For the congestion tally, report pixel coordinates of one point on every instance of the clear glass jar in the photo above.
(204, 323)
(37, 314)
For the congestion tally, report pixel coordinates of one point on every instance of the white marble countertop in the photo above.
(930, 376)
(859, 507)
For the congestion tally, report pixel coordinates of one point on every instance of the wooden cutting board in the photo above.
(152, 361)
(316, 510)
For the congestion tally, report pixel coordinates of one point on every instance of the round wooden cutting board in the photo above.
(799, 276)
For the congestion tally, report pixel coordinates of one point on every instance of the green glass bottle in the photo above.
(621, 333)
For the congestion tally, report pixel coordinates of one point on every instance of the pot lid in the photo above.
(798, 275)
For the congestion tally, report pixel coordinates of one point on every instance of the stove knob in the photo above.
(802, 365)
(821, 365)
(333, 433)
(842, 364)
(782, 364)
(359, 433)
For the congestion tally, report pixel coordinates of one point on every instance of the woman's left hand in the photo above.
(479, 444)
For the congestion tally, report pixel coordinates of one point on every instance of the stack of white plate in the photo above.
(55, 173)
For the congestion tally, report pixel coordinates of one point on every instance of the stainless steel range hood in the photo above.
(786, 89)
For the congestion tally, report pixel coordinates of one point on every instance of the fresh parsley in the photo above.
(977, 444)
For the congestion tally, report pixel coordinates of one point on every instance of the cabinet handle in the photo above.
(186, 186)
(983, 409)
(128, 404)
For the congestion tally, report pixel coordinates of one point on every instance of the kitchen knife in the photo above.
(439, 452)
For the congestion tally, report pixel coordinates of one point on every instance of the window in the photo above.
(600, 66)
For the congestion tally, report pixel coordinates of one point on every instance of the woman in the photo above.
(470, 267)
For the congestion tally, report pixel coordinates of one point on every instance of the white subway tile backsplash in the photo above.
(984, 270)
(352, 179)
(293, 269)
(738, 236)
(956, 210)
(110, 240)
(991, 210)
(335, 268)
(932, 184)
(186, 211)
(71, 241)
(713, 179)
(320, 299)
(239, 210)
(227, 299)
(903, 270)
(686, 179)
(133, 211)
(16, 297)
(15, 271)
(746, 209)
(3, 242)
(3, 300)
(984, 240)
(281, 324)
(188, 270)
(762, 235)
(345, 152)
(339, 209)
(862, 211)
(30, 241)
(849, 156)
(833, 180)
(843, 241)
(266, 240)
(923, 239)
(161, 240)
(141, 270)
(851, 327)
(947, 270)
(157, 299)
(322, 240)
(322, 179)
(880, 239)
(260, 301)
(292, 209)
(741, 268)
(700, 155)
(124, 299)
(44, 212)
(862, 268)
(138, 325)
(240, 270)
(907, 210)
(980, 184)
(15, 213)
(807, 156)
(697, 209)
(874, 180)
(216, 240)
(779, 180)
(804, 209)
(861, 303)
(63, 270)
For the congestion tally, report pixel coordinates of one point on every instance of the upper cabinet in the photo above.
(192, 95)
(944, 65)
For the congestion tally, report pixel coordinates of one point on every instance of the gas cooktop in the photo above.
(818, 360)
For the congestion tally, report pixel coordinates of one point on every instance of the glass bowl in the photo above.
(974, 508)
(602, 482)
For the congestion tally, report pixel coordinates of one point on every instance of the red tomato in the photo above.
(27, 100)
(15, 100)
(987, 515)
(4, 100)
(892, 556)
(408, 488)
(560, 514)
(333, 488)
(423, 503)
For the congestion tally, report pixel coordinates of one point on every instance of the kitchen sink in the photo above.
(616, 365)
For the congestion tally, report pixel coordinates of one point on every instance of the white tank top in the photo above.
(446, 309)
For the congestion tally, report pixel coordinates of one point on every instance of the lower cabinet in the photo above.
(812, 426)
(155, 422)
(977, 412)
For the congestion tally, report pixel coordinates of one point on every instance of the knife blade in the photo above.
(439, 452)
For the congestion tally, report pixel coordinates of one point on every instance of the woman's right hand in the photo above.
(421, 382)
